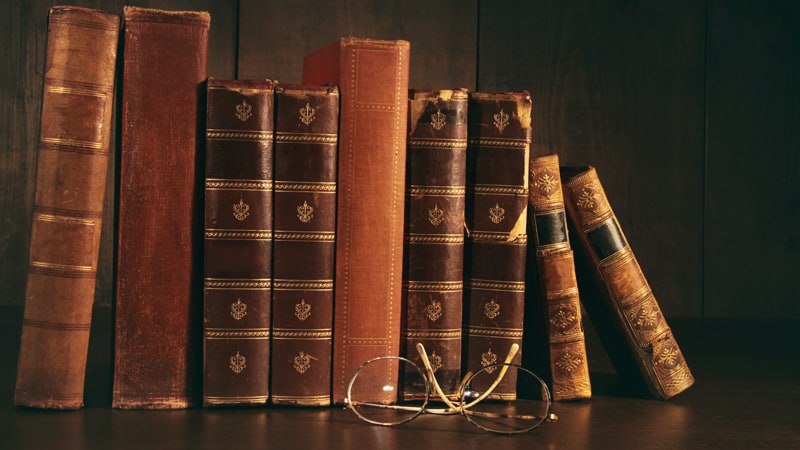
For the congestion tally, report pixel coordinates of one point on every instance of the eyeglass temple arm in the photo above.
(424, 356)
(503, 369)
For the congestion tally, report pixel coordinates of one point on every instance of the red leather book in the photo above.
(616, 293)
(237, 241)
(306, 127)
(158, 308)
(433, 268)
(496, 216)
(75, 129)
(553, 296)
(373, 80)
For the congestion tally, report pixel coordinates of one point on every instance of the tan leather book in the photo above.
(496, 213)
(237, 270)
(433, 267)
(616, 294)
(306, 135)
(553, 289)
(373, 80)
(158, 308)
(75, 129)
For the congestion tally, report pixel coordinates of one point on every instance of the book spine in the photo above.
(496, 212)
(306, 134)
(75, 130)
(628, 317)
(373, 80)
(434, 235)
(158, 309)
(558, 286)
(237, 271)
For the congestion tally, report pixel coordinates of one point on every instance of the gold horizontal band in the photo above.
(493, 285)
(239, 135)
(282, 137)
(237, 184)
(57, 218)
(238, 283)
(91, 145)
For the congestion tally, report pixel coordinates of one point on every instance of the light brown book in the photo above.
(557, 298)
(373, 80)
(433, 267)
(306, 134)
(75, 129)
(496, 214)
(158, 306)
(237, 269)
(616, 294)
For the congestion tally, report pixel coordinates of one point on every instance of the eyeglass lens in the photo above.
(388, 399)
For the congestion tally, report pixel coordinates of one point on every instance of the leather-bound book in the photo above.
(433, 268)
(237, 276)
(158, 308)
(75, 129)
(496, 216)
(556, 301)
(306, 134)
(373, 86)
(616, 294)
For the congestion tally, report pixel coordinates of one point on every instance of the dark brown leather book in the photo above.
(237, 275)
(373, 81)
(496, 216)
(616, 294)
(306, 134)
(553, 294)
(75, 130)
(433, 267)
(158, 308)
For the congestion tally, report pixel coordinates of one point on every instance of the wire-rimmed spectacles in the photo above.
(397, 400)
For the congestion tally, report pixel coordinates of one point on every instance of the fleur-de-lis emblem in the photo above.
(238, 309)
(436, 215)
(302, 310)
(241, 210)
(302, 362)
(434, 310)
(307, 114)
(546, 183)
(237, 363)
(497, 213)
(588, 199)
(305, 212)
(491, 309)
(438, 119)
(501, 120)
(487, 359)
(436, 361)
(244, 111)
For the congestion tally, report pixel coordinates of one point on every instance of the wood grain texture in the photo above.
(619, 86)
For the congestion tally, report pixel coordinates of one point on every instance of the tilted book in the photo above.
(237, 270)
(433, 267)
(75, 130)
(158, 309)
(306, 134)
(373, 80)
(556, 300)
(496, 213)
(617, 297)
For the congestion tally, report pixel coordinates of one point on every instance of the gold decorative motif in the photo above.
(438, 120)
(491, 309)
(669, 357)
(487, 359)
(568, 362)
(244, 111)
(436, 361)
(307, 114)
(563, 318)
(497, 213)
(546, 183)
(434, 310)
(237, 363)
(501, 120)
(241, 210)
(238, 309)
(302, 362)
(436, 215)
(305, 212)
(302, 310)
(589, 198)
(645, 317)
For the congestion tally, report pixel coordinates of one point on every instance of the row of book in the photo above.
(271, 238)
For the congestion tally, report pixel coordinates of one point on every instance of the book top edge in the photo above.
(140, 14)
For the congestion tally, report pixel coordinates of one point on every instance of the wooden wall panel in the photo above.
(276, 35)
(752, 232)
(620, 86)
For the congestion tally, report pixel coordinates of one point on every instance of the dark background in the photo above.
(689, 110)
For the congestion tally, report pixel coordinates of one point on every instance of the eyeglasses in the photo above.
(404, 395)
